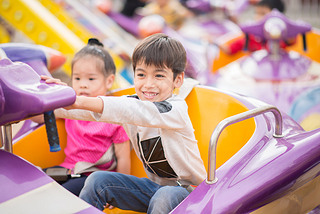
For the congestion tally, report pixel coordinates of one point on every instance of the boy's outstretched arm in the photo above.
(94, 104)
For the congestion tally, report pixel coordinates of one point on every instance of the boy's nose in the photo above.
(149, 82)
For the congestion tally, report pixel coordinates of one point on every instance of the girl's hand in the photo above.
(110, 207)
(57, 81)
(52, 80)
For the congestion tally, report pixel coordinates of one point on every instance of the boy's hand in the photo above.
(52, 80)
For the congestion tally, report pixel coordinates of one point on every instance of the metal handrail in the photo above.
(234, 119)
(6, 137)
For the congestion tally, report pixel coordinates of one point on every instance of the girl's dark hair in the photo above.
(272, 4)
(162, 51)
(95, 48)
(94, 41)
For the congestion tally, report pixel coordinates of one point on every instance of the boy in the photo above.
(159, 128)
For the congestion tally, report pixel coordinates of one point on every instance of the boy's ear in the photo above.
(110, 80)
(179, 80)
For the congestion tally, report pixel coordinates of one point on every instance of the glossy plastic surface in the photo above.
(42, 59)
(27, 189)
(26, 95)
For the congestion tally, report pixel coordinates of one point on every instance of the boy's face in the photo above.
(261, 11)
(155, 84)
(88, 79)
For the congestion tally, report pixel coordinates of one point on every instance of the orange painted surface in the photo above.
(224, 59)
(313, 45)
(206, 109)
(35, 147)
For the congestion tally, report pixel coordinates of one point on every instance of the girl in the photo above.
(93, 73)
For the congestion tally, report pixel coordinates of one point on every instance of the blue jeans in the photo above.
(75, 185)
(128, 192)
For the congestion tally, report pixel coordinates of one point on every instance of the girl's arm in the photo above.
(38, 119)
(122, 152)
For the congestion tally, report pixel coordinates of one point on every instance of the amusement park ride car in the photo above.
(258, 159)
(279, 76)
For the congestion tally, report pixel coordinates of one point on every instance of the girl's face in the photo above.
(88, 79)
(155, 84)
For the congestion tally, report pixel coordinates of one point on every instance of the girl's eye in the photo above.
(91, 79)
(76, 78)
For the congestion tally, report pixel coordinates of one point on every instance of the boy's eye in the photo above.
(159, 75)
(91, 79)
(140, 75)
(76, 78)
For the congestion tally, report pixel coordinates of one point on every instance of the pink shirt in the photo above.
(88, 141)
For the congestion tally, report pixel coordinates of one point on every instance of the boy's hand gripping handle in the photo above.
(52, 132)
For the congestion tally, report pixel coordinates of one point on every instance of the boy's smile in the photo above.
(155, 84)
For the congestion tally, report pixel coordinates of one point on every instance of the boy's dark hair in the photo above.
(162, 51)
(272, 4)
(95, 48)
